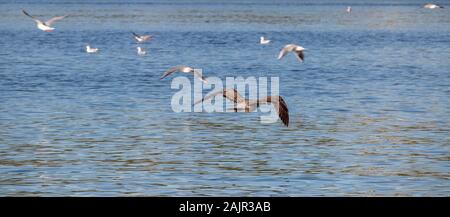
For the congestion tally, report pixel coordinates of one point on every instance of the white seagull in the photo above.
(349, 9)
(246, 105)
(141, 38)
(298, 50)
(141, 51)
(184, 69)
(262, 40)
(90, 49)
(432, 6)
(44, 26)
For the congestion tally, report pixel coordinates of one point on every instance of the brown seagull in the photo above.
(246, 105)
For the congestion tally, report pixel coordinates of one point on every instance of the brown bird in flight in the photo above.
(246, 105)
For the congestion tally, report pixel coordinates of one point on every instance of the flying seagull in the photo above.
(90, 49)
(262, 40)
(432, 6)
(141, 38)
(185, 69)
(141, 51)
(44, 26)
(246, 105)
(293, 48)
(349, 9)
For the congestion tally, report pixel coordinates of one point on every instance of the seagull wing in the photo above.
(32, 17)
(233, 95)
(54, 19)
(136, 35)
(279, 104)
(146, 37)
(300, 56)
(200, 76)
(24, 12)
(170, 71)
(230, 94)
(220, 92)
(286, 49)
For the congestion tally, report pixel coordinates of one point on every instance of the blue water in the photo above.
(369, 107)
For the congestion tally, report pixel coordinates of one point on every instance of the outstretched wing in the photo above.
(286, 49)
(200, 76)
(279, 104)
(24, 12)
(32, 17)
(171, 70)
(220, 92)
(53, 20)
(136, 35)
(230, 94)
(233, 95)
(146, 37)
(300, 56)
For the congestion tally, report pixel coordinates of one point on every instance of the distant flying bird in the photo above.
(262, 40)
(298, 50)
(90, 49)
(432, 6)
(349, 9)
(185, 69)
(141, 51)
(246, 105)
(141, 38)
(44, 26)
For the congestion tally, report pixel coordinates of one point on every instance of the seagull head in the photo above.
(299, 48)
